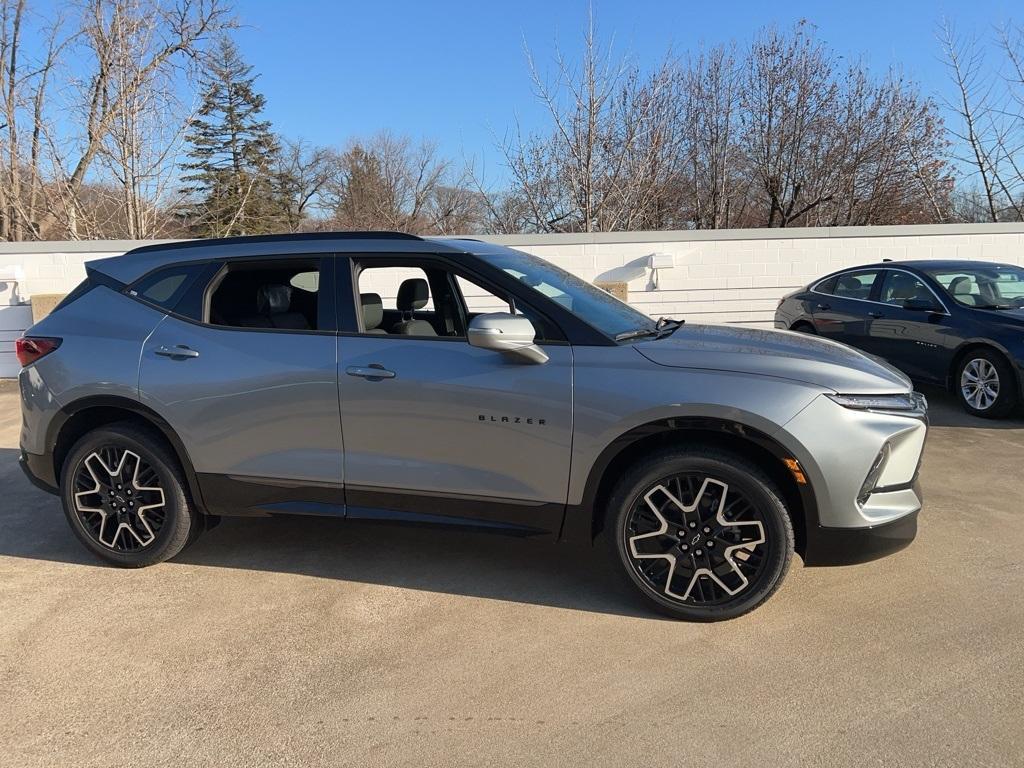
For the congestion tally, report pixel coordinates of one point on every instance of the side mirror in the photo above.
(504, 332)
(920, 305)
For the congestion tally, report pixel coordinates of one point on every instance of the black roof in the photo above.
(299, 237)
(937, 264)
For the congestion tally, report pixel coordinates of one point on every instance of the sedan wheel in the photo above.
(979, 384)
(986, 385)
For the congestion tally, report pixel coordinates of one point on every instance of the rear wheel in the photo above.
(985, 384)
(125, 497)
(803, 327)
(703, 534)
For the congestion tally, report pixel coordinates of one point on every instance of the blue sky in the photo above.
(456, 71)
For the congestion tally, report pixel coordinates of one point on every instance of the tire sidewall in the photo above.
(179, 520)
(778, 531)
(1006, 399)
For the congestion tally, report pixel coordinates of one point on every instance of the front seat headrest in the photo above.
(903, 288)
(373, 310)
(272, 299)
(961, 286)
(413, 294)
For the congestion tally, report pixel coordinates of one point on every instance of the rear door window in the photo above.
(267, 294)
(855, 285)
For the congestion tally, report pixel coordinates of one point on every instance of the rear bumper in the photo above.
(39, 470)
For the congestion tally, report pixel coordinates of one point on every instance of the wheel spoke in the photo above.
(979, 384)
(702, 533)
(119, 499)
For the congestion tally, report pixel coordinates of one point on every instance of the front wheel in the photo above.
(125, 497)
(702, 533)
(986, 385)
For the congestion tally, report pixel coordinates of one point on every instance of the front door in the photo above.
(438, 430)
(919, 343)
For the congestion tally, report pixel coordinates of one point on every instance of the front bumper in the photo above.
(863, 468)
(39, 470)
(848, 546)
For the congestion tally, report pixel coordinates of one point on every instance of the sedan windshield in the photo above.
(593, 305)
(985, 286)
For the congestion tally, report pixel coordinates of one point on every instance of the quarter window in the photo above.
(826, 286)
(165, 287)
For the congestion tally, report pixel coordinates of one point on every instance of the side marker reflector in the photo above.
(796, 471)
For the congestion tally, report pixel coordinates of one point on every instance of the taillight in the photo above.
(31, 348)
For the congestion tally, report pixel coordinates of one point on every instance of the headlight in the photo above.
(909, 401)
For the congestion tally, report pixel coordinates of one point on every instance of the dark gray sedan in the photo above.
(958, 324)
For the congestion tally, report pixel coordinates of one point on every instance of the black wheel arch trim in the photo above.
(582, 521)
(136, 409)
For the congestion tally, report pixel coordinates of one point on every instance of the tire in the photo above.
(668, 506)
(985, 384)
(804, 327)
(105, 474)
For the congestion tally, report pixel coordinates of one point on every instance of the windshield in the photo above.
(986, 286)
(595, 306)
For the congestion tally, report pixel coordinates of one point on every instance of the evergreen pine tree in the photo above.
(229, 176)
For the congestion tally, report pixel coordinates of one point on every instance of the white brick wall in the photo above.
(724, 276)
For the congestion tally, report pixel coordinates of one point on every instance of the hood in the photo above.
(783, 354)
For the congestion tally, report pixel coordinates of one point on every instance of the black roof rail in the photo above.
(282, 238)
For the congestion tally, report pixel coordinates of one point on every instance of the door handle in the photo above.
(179, 350)
(373, 372)
(876, 315)
(822, 307)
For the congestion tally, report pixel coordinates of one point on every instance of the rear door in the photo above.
(842, 305)
(245, 371)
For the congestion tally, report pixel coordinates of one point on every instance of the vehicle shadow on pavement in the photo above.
(453, 561)
(944, 411)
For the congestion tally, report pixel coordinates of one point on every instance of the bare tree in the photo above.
(611, 150)
(716, 183)
(145, 134)
(133, 47)
(390, 182)
(988, 130)
(303, 172)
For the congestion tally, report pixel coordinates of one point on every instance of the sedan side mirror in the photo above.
(504, 332)
(920, 305)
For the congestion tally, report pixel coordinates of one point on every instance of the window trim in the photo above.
(878, 285)
(213, 271)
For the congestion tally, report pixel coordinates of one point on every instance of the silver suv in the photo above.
(266, 375)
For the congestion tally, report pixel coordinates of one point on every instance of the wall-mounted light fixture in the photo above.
(655, 262)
